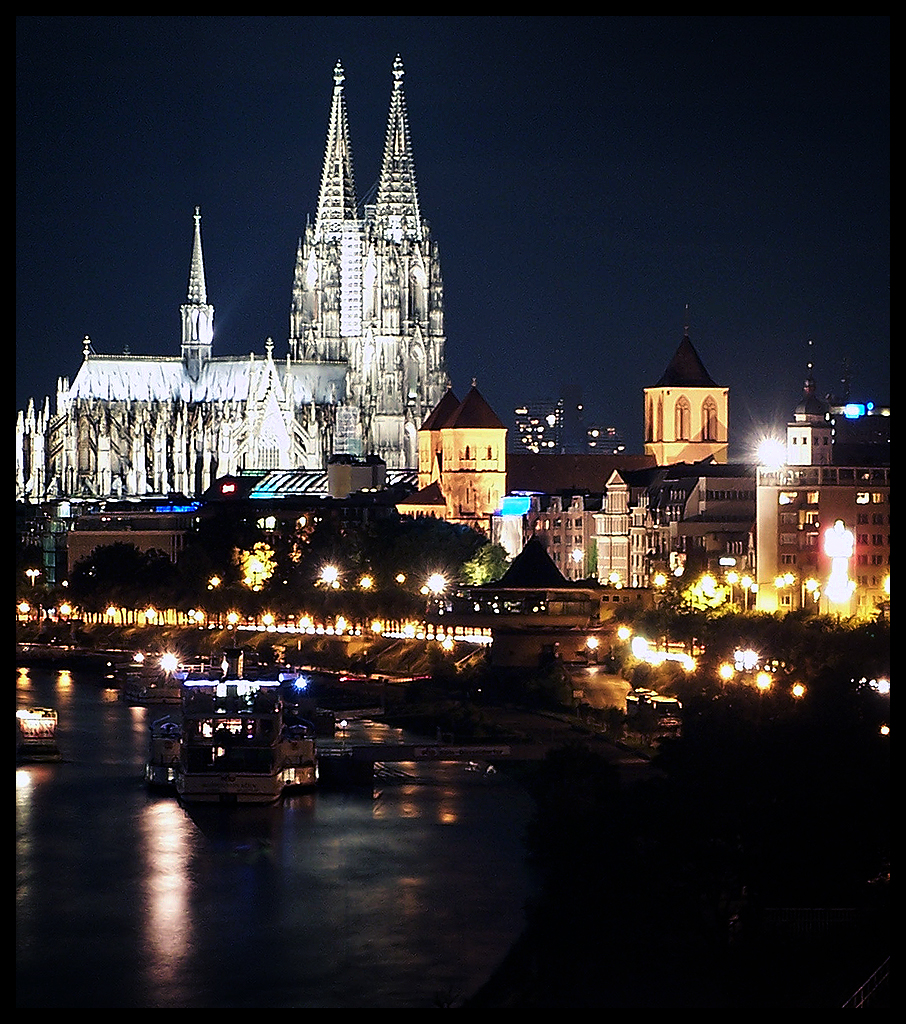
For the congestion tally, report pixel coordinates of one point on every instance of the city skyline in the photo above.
(586, 180)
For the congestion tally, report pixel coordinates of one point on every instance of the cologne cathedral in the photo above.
(364, 364)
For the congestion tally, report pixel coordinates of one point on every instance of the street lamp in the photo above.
(330, 577)
(32, 574)
(436, 583)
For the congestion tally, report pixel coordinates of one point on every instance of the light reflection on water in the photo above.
(333, 899)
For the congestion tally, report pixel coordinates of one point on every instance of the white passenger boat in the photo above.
(237, 744)
(36, 735)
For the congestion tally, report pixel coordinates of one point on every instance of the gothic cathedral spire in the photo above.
(337, 199)
(368, 293)
(397, 212)
(197, 314)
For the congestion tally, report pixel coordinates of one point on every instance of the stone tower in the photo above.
(686, 413)
(367, 292)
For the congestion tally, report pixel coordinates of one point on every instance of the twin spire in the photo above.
(396, 211)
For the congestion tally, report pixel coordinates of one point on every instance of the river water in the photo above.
(406, 897)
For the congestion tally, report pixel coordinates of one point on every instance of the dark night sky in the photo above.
(585, 179)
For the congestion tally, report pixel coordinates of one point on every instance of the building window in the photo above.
(709, 420)
(682, 420)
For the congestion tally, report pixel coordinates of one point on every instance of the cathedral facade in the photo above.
(364, 364)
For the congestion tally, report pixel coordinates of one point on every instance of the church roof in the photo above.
(474, 412)
(221, 379)
(430, 496)
(686, 369)
(444, 409)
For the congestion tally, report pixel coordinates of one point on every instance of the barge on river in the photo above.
(236, 742)
(36, 735)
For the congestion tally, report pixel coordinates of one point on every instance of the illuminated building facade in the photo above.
(462, 465)
(364, 366)
(686, 413)
(823, 528)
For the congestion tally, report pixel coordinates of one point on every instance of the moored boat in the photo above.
(36, 735)
(162, 766)
(237, 743)
(149, 680)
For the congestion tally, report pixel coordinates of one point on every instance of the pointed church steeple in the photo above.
(197, 314)
(397, 199)
(686, 413)
(337, 198)
(198, 292)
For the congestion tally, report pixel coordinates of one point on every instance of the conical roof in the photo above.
(686, 369)
(532, 568)
(444, 409)
(474, 412)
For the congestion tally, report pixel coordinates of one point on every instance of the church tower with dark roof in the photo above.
(686, 413)
(462, 458)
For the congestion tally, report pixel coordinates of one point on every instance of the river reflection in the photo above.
(396, 898)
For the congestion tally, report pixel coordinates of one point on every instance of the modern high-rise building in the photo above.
(363, 368)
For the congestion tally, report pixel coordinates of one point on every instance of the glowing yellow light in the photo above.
(763, 680)
(727, 671)
(366, 583)
(660, 580)
(592, 643)
(624, 632)
(798, 690)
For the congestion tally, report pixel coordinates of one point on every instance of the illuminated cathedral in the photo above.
(363, 367)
